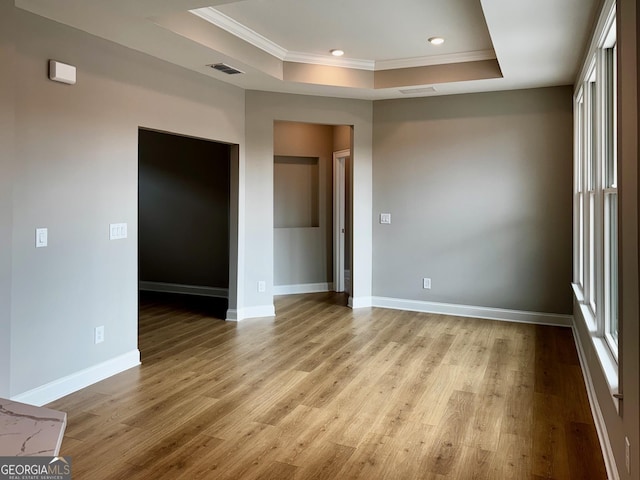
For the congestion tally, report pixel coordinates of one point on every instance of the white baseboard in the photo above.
(76, 381)
(360, 302)
(260, 311)
(596, 411)
(474, 312)
(184, 289)
(302, 288)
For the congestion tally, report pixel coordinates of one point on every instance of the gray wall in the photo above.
(629, 27)
(76, 172)
(7, 121)
(479, 188)
(304, 255)
(184, 192)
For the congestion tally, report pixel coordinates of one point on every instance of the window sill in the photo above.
(607, 361)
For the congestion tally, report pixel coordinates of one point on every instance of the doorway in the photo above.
(307, 257)
(186, 222)
(341, 275)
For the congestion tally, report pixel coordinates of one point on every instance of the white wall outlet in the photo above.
(117, 231)
(627, 447)
(385, 218)
(98, 334)
(426, 283)
(42, 237)
(262, 286)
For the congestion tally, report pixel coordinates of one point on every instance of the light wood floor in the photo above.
(324, 392)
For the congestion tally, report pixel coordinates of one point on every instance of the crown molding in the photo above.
(227, 23)
(328, 60)
(235, 28)
(462, 57)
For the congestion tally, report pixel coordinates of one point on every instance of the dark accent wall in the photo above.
(184, 188)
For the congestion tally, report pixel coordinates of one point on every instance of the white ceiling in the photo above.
(537, 43)
(385, 32)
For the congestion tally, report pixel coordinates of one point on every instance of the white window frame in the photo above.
(593, 194)
(578, 192)
(595, 243)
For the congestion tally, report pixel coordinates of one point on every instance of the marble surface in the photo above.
(26, 430)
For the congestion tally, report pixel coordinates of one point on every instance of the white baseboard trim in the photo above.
(474, 312)
(596, 411)
(76, 381)
(360, 302)
(184, 289)
(260, 311)
(302, 288)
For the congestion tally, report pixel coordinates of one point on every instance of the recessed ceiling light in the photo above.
(436, 40)
(336, 52)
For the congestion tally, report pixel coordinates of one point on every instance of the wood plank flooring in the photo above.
(324, 392)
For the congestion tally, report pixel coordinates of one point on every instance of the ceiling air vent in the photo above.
(224, 68)
(418, 91)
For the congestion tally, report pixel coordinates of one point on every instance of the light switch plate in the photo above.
(42, 237)
(385, 218)
(117, 231)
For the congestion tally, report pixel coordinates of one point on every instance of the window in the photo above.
(578, 205)
(595, 191)
(591, 123)
(610, 190)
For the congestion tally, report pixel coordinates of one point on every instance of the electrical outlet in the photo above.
(262, 286)
(385, 218)
(426, 283)
(627, 447)
(99, 334)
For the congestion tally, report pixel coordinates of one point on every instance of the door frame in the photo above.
(339, 217)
